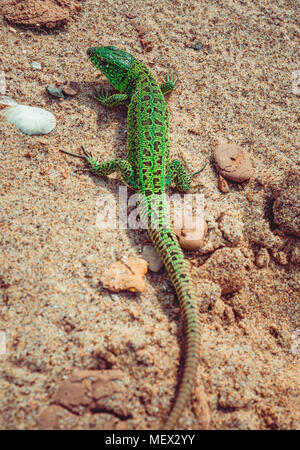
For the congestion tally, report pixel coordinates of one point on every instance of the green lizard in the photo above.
(148, 170)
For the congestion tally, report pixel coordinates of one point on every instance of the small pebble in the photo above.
(223, 185)
(56, 92)
(36, 65)
(71, 88)
(141, 29)
(125, 275)
(197, 46)
(233, 162)
(191, 237)
(150, 254)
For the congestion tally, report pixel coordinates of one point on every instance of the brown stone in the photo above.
(125, 275)
(190, 236)
(71, 88)
(191, 231)
(55, 417)
(72, 396)
(233, 162)
(85, 392)
(38, 13)
(92, 390)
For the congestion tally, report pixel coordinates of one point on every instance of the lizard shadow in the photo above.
(107, 117)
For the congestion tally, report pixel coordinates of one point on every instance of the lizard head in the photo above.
(115, 64)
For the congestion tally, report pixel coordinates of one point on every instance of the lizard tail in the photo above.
(166, 243)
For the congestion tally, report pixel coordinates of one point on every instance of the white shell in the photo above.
(30, 120)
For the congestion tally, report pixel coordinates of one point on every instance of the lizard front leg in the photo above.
(106, 168)
(111, 100)
(115, 165)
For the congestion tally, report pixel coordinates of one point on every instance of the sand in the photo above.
(56, 316)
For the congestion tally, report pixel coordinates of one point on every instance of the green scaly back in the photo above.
(148, 170)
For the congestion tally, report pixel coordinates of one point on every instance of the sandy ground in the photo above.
(56, 316)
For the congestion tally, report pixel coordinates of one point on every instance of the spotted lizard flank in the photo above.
(149, 170)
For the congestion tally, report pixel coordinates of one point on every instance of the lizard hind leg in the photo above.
(178, 173)
(106, 168)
